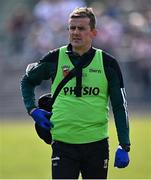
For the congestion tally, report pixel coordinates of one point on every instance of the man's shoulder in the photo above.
(106, 55)
(31, 66)
(50, 56)
(109, 60)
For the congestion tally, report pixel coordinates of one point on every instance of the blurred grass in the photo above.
(24, 156)
(140, 154)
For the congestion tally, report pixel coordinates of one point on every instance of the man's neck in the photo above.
(80, 51)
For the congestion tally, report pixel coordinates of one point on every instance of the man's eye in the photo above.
(72, 28)
(81, 28)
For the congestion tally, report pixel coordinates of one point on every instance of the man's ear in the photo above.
(94, 32)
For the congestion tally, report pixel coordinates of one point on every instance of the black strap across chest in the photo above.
(75, 72)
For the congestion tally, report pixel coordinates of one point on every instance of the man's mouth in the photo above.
(76, 39)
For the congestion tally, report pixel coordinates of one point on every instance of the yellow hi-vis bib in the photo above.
(82, 119)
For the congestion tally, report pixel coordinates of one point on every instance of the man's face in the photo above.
(80, 33)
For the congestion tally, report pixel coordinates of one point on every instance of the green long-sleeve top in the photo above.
(46, 69)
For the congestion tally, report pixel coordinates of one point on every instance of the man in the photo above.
(79, 119)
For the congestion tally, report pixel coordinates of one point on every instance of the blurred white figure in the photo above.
(43, 9)
(46, 10)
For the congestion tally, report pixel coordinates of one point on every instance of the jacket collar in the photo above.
(71, 53)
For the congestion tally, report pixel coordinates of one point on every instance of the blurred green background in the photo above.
(24, 156)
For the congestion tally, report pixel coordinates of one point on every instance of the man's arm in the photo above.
(119, 106)
(118, 99)
(35, 74)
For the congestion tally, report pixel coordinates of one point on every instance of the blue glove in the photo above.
(41, 117)
(121, 158)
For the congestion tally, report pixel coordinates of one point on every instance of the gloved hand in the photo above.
(41, 117)
(121, 158)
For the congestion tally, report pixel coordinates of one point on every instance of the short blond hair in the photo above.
(82, 12)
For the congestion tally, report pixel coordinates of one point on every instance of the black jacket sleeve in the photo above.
(118, 98)
(45, 69)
